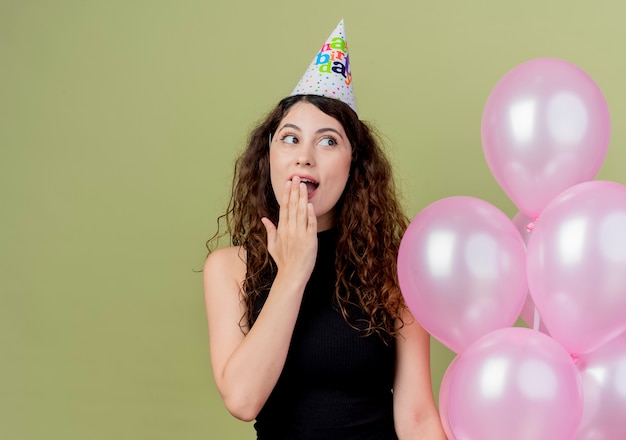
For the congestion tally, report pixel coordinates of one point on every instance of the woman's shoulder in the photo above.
(226, 262)
(230, 256)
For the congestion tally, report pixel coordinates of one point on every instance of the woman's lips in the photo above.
(311, 185)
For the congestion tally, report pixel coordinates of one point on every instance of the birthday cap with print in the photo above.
(329, 73)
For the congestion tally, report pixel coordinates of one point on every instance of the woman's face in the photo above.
(312, 145)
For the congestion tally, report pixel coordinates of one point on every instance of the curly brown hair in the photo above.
(368, 218)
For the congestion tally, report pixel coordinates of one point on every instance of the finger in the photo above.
(294, 196)
(269, 228)
(311, 219)
(303, 201)
(295, 191)
(271, 232)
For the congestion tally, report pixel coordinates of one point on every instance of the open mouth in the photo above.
(310, 184)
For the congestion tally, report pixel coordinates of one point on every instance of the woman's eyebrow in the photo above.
(288, 125)
(319, 131)
(322, 130)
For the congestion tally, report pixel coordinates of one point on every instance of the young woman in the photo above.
(308, 331)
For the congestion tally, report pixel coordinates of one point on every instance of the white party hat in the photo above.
(329, 73)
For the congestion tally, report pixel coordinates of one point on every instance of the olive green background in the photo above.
(119, 125)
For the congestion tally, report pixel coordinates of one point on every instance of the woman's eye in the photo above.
(290, 139)
(328, 142)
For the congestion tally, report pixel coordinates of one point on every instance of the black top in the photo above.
(336, 383)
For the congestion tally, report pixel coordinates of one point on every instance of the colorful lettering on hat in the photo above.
(329, 73)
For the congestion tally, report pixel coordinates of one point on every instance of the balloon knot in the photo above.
(531, 226)
(574, 357)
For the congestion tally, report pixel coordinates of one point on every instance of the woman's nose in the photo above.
(304, 157)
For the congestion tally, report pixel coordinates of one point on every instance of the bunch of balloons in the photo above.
(468, 272)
